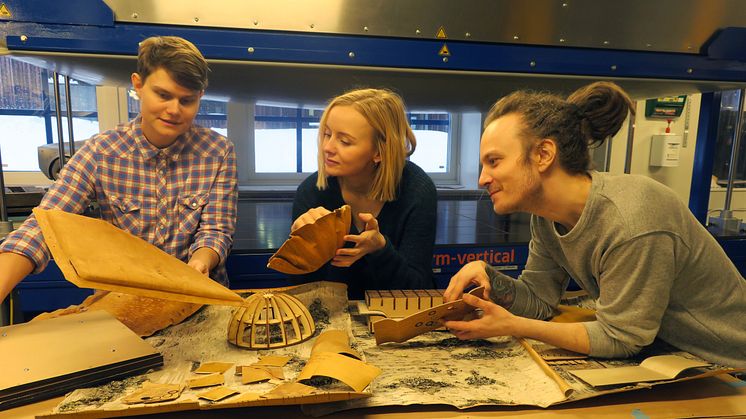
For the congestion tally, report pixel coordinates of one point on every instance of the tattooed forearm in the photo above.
(503, 287)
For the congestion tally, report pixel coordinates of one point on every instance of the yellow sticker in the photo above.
(444, 51)
(4, 11)
(441, 33)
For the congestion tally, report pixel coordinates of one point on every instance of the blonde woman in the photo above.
(364, 142)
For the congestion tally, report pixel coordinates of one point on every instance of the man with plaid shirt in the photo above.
(159, 177)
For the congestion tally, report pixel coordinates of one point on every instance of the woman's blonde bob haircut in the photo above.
(392, 136)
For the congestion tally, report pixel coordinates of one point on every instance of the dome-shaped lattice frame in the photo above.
(270, 320)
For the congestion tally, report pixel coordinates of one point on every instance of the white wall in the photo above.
(470, 134)
(677, 178)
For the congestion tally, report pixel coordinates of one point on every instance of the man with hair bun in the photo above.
(651, 267)
(160, 176)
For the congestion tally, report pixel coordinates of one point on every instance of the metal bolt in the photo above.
(606, 42)
(690, 70)
(562, 40)
(135, 16)
(467, 34)
(196, 19)
(256, 22)
(613, 67)
(532, 64)
(26, 370)
(365, 28)
(688, 47)
(5, 334)
(418, 31)
(564, 4)
(648, 45)
(312, 26)
(250, 49)
(515, 37)
(445, 59)
(113, 349)
(24, 38)
(351, 54)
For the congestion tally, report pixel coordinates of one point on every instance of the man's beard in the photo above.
(532, 193)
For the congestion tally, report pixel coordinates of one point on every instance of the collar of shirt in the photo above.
(150, 151)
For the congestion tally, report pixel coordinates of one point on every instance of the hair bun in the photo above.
(603, 107)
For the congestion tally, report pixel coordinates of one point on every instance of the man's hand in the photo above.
(309, 217)
(366, 242)
(495, 321)
(473, 273)
(203, 260)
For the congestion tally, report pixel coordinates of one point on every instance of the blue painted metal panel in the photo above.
(449, 259)
(229, 44)
(47, 291)
(79, 12)
(249, 270)
(704, 155)
(735, 248)
(728, 44)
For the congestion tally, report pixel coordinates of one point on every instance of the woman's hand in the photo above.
(309, 217)
(473, 273)
(366, 242)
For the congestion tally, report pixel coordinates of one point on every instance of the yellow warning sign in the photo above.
(444, 51)
(4, 11)
(441, 33)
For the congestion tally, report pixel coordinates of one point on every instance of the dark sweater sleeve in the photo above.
(408, 265)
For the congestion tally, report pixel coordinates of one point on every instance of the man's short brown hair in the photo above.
(179, 57)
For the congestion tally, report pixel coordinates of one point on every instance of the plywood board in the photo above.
(93, 253)
(49, 356)
(206, 380)
(356, 374)
(142, 315)
(211, 367)
(218, 393)
(429, 319)
(311, 246)
(154, 393)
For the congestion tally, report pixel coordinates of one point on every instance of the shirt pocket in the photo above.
(127, 213)
(190, 211)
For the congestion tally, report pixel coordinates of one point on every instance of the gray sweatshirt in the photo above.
(652, 268)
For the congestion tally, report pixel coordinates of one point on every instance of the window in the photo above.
(295, 132)
(292, 130)
(432, 131)
(27, 115)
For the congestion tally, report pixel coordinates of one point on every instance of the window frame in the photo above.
(47, 112)
(450, 177)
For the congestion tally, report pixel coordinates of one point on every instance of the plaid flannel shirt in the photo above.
(179, 198)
